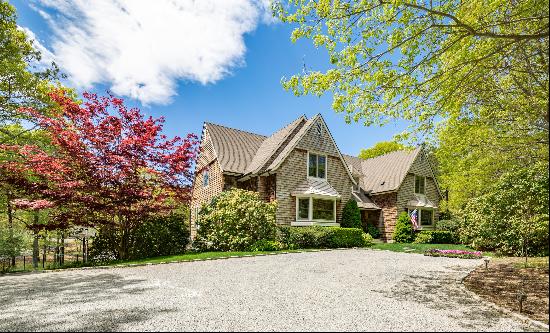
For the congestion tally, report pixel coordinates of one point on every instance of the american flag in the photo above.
(414, 219)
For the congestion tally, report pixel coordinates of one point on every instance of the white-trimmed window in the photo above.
(317, 166)
(315, 209)
(425, 216)
(419, 184)
(205, 178)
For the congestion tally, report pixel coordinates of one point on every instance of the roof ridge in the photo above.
(391, 152)
(235, 129)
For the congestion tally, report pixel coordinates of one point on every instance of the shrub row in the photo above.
(323, 237)
(434, 237)
(158, 236)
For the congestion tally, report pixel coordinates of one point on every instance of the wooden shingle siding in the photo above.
(293, 172)
(202, 195)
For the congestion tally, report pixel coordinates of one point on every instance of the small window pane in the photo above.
(312, 165)
(426, 217)
(323, 209)
(419, 184)
(322, 167)
(205, 178)
(303, 209)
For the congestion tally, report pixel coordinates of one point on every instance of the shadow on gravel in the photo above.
(443, 291)
(29, 303)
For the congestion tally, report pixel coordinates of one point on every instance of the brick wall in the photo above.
(388, 214)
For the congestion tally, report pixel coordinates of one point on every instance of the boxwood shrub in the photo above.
(323, 237)
(434, 237)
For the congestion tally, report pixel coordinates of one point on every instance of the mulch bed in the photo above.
(502, 281)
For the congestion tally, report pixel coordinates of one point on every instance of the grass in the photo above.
(194, 256)
(421, 248)
(155, 260)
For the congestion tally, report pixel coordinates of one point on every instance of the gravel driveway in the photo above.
(320, 291)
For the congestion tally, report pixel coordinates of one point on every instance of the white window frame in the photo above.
(310, 221)
(424, 187)
(326, 164)
(420, 209)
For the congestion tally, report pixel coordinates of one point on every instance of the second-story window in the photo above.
(419, 184)
(317, 166)
(205, 178)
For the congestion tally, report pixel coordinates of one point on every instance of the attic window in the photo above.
(319, 129)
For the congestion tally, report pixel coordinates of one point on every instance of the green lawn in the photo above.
(177, 257)
(420, 248)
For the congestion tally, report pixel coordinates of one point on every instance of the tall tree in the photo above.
(24, 80)
(381, 148)
(110, 165)
(425, 60)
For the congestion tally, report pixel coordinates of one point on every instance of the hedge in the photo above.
(434, 237)
(323, 237)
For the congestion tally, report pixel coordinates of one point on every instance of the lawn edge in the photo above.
(113, 266)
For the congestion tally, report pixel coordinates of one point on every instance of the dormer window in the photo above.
(355, 188)
(317, 166)
(419, 184)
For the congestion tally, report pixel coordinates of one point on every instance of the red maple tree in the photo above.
(107, 164)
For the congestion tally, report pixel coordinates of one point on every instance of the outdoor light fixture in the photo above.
(521, 297)
(486, 259)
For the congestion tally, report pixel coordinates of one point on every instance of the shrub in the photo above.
(234, 220)
(434, 237)
(373, 231)
(423, 238)
(351, 216)
(514, 209)
(452, 226)
(158, 236)
(266, 245)
(403, 232)
(323, 237)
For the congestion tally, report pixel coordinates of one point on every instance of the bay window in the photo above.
(315, 209)
(426, 217)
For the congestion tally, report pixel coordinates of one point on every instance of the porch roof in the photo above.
(312, 186)
(421, 201)
(363, 201)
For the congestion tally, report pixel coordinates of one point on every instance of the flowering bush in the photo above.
(234, 221)
(454, 254)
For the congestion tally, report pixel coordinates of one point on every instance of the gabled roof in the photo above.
(270, 145)
(247, 153)
(234, 148)
(383, 173)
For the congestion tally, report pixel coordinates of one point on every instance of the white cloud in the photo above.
(141, 48)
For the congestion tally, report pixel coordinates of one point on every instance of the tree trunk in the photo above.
(35, 249)
(10, 226)
(62, 249)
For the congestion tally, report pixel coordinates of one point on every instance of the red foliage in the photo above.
(106, 160)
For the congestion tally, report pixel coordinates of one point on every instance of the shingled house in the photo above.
(302, 168)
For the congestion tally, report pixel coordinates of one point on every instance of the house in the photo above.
(302, 168)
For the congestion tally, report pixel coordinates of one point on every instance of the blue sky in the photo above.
(240, 89)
